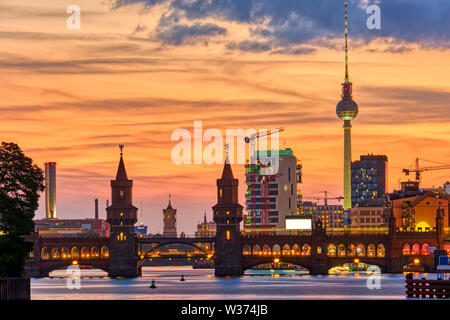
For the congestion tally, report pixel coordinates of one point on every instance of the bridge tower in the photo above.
(122, 215)
(228, 216)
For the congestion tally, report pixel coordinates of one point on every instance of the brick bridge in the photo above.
(122, 254)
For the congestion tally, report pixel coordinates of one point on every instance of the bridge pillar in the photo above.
(227, 216)
(319, 261)
(122, 215)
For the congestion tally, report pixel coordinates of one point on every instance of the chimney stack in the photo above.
(50, 190)
(96, 209)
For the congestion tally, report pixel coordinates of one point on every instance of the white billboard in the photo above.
(295, 223)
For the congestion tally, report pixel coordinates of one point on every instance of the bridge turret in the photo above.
(122, 215)
(228, 216)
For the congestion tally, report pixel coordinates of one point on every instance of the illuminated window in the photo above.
(331, 252)
(220, 193)
(121, 237)
(415, 249)
(121, 194)
(425, 251)
(381, 251)
(406, 249)
(228, 235)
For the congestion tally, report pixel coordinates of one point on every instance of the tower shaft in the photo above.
(347, 164)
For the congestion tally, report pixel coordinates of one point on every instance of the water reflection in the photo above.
(202, 284)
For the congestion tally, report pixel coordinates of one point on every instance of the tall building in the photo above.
(369, 180)
(347, 110)
(170, 221)
(50, 190)
(270, 198)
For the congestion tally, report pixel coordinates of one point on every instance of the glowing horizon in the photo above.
(72, 96)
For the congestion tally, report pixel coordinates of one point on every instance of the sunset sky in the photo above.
(139, 69)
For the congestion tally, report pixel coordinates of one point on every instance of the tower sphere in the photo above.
(347, 109)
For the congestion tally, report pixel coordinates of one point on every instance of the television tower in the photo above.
(347, 110)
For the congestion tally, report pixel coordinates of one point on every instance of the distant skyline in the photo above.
(138, 70)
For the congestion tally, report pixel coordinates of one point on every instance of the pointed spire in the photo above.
(121, 172)
(169, 206)
(227, 173)
(204, 218)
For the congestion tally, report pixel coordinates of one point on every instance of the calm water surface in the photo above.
(201, 284)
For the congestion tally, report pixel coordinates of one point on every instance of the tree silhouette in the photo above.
(21, 182)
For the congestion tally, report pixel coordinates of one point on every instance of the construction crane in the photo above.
(255, 136)
(418, 170)
(325, 197)
(252, 138)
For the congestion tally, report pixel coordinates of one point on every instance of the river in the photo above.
(200, 284)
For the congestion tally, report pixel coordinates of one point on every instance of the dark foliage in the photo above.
(21, 182)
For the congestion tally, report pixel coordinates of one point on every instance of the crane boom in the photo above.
(419, 169)
(262, 134)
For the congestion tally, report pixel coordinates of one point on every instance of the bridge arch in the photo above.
(257, 249)
(425, 250)
(95, 252)
(85, 253)
(331, 250)
(159, 245)
(75, 252)
(360, 250)
(286, 250)
(246, 250)
(104, 252)
(295, 250)
(341, 251)
(371, 251)
(55, 253)
(306, 249)
(266, 249)
(415, 249)
(381, 250)
(351, 250)
(406, 249)
(45, 253)
(65, 253)
(276, 249)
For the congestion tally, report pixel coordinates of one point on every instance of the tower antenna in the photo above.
(347, 80)
(121, 146)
